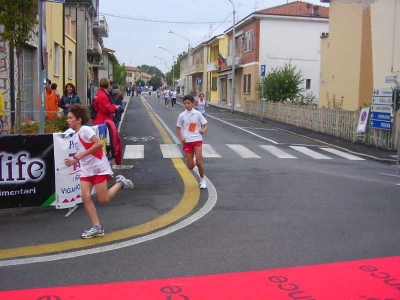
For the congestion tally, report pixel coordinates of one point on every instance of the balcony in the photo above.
(94, 49)
(199, 68)
(212, 66)
(100, 26)
(229, 59)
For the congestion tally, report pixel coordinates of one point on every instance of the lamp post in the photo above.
(173, 65)
(169, 31)
(233, 58)
(165, 62)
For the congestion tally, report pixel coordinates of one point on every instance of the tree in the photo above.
(119, 73)
(152, 70)
(140, 82)
(155, 82)
(281, 84)
(18, 18)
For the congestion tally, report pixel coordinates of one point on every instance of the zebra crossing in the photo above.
(281, 152)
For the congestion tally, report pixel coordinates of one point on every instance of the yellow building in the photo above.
(218, 47)
(61, 46)
(362, 48)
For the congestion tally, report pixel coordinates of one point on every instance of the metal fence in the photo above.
(335, 122)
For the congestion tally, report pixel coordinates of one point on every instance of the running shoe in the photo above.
(127, 184)
(93, 232)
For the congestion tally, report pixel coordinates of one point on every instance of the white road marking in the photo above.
(134, 152)
(395, 156)
(208, 206)
(277, 152)
(342, 154)
(309, 152)
(255, 128)
(241, 128)
(209, 151)
(171, 151)
(243, 151)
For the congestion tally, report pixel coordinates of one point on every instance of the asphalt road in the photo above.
(273, 209)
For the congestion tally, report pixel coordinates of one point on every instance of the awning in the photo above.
(181, 82)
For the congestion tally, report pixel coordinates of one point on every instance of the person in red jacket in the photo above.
(104, 108)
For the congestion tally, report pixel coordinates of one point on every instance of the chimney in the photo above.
(316, 11)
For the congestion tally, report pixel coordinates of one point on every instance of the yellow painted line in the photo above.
(190, 198)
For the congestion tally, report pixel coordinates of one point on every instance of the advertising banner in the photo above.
(26, 170)
(67, 179)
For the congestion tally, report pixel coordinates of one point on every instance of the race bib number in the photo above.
(192, 127)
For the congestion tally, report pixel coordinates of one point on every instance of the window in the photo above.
(308, 84)
(248, 41)
(70, 65)
(247, 84)
(129, 74)
(214, 83)
(56, 59)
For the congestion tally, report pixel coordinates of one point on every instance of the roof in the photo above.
(297, 9)
(128, 68)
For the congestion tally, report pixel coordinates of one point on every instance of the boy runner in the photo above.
(173, 97)
(94, 167)
(190, 127)
(201, 105)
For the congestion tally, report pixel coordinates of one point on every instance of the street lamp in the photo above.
(165, 62)
(233, 58)
(173, 65)
(169, 31)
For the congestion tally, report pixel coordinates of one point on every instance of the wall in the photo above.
(341, 55)
(294, 40)
(385, 40)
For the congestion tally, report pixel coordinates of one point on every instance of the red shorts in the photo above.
(96, 179)
(189, 147)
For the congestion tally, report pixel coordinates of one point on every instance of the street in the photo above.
(275, 200)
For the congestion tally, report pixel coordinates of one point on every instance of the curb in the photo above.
(243, 116)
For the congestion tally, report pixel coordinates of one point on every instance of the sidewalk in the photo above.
(357, 148)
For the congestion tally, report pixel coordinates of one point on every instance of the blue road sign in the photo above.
(199, 81)
(263, 70)
(381, 125)
(381, 117)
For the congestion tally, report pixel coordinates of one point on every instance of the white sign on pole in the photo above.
(383, 92)
(362, 122)
(382, 100)
(391, 79)
(382, 108)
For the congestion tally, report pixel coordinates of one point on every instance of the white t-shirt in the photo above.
(166, 93)
(174, 93)
(190, 122)
(90, 165)
(202, 106)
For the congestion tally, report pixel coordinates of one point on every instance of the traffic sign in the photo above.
(391, 79)
(382, 100)
(381, 125)
(384, 108)
(381, 117)
(263, 68)
(383, 92)
(199, 81)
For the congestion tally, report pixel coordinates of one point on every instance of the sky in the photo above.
(136, 42)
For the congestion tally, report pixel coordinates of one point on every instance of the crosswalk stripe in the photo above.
(309, 152)
(134, 152)
(342, 154)
(209, 151)
(243, 151)
(277, 152)
(171, 151)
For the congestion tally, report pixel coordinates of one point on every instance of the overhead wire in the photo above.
(159, 21)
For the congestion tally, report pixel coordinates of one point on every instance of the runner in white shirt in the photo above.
(95, 170)
(201, 105)
(173, 97)
(166, 96)
(190, 127)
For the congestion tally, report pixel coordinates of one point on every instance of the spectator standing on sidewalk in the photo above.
(95, 169)
(69, 98)
(51, 104)
(116, 99)
(104, 108)
(190, 127)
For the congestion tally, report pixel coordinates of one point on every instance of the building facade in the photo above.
(363, 47)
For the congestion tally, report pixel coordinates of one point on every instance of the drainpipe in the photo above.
(64, 48)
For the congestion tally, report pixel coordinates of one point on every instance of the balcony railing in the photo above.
(100, 26)
(199, 68)
(94, 48)
(212, 66)
(229, 59)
